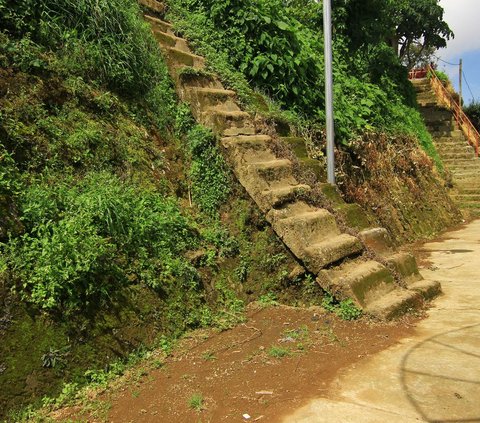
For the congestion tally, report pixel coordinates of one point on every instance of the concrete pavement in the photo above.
(433, 376)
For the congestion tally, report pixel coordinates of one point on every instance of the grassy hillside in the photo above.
(120, 224)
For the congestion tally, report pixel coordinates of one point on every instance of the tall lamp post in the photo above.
(327, 29)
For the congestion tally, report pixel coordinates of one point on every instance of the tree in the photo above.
(418, 27)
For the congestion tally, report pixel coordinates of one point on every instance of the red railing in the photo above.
(462, 119)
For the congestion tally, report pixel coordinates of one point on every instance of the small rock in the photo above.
(246, 416)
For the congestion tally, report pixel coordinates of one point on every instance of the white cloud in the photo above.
(463, 17)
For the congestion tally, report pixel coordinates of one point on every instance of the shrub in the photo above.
(83, 240)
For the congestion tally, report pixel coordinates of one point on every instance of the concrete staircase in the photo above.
(453, 147)
(384, 286)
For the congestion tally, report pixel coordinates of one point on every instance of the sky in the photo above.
(463, 17)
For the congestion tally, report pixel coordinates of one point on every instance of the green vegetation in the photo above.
(277, 49)
(196, 402)
(473, 112)
(345, 309)
(279, 352)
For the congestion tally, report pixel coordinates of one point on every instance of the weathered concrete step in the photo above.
(462, 163)
(468, 205)
(299, 225)
(222, 120)
(454, 133)
(201, 98)
(247, 141)
(159, 24)
(406, 266)
(278, 196)
(363, 281)
(429, 102)
(326, 252)
(395, 303)
(168, 40)
(298, 146)
(271, 170)
(467, 198)
(435, 114)
(179, 58)
(154, 5)
(453, 156)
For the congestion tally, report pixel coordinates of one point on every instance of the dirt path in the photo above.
(267, 367)
(432, 376)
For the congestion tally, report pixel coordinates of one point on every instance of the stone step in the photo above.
(201, 98)
(426, 288)
(453, 156)
(406, 266)
(472, 162)
(299, 225)
(154, 5)
(467, 198)
(427, 102)
(395, 303)
(271, 170)
(298, 146)
(435, 114)
(469, 206)
(179, 58)
(248, 142)
(329, 251)
(278, 196)
(168, 40)
(159, 24)
(222, 120)
(446, 134)
(363, 281)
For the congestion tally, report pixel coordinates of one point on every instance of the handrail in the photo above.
(462, 119)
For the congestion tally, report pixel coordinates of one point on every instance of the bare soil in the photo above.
(242, 371)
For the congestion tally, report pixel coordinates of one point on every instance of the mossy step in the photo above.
(179, 58)
(468, 205)
(315, 166)
(427, 103)
(222, 120)
(363, 281)
(272, 170)
(395, 304)
(467, 198)
(159, 24)
(406, 266)
(453, 156)
(169, 40)
(377, 240)
(153, 5)
(206, 98)
(354, 216)
(332, 193)
(298, 146)
(326, 252)
(277, 197)
(299, 225)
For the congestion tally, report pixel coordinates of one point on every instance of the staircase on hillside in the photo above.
(385, 287)
(453, 147)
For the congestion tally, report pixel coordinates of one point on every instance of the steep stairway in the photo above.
(385, 286)
(453, 147)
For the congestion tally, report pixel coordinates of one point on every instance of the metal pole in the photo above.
(327, 30)
(460, 83)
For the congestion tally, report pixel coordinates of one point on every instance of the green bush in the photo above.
(83, 240)
(277, 47)
(208, 173)
(473, 112)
